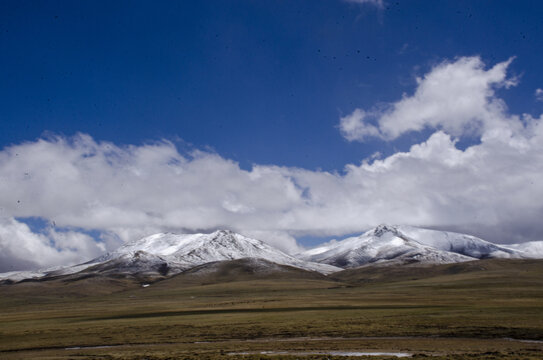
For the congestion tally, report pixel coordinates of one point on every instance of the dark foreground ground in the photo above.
(491, 309)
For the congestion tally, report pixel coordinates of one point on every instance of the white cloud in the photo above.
(457, 97)
(378, 3)
(353, 127)
(539, 94)
(132, 191)
(20, 247)
(493, 189)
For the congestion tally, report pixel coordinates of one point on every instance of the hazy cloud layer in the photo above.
(493, 189)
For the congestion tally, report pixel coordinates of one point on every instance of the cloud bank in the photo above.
(493, 189)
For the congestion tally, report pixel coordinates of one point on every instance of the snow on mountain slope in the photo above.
(407, 244)
(167, 254)
(531, 249)
(382, 244)
(137, 262)
(51, 271)
(458, 243)
(196, 249)
(20, 275)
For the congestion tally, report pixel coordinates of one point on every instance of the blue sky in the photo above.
(259, 87)
(259, 82)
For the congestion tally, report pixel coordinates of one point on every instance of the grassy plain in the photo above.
(490, 309)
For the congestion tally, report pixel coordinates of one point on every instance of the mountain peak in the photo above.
(168, 253)
(408, 244)
(223, 232)
(384, 228)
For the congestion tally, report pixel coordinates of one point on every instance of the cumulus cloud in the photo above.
(493, 189)
(354, 127)
(539, 94)
(132, 191)
(457, 97)
(20, 248)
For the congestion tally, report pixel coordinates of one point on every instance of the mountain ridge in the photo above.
(397, 244)
(167, 254)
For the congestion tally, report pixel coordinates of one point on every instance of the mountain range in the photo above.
(166, 254)
(389, 245)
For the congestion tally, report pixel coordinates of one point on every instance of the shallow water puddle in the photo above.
(525, 341)
(90, 347)
(333, 353)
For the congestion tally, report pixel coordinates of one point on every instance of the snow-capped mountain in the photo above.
(168, 254)
(531, 249)
(407, 244)
(189, 250)
(458, 243)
